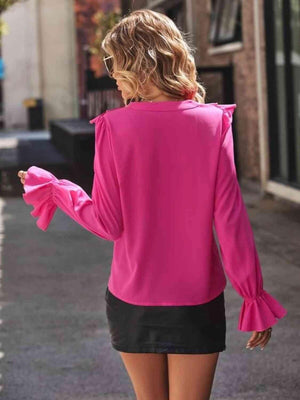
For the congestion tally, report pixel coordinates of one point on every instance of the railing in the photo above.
(102, 94)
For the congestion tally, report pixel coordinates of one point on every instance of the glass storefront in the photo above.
(295, 61)
(282, 28)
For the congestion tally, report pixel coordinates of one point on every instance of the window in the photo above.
(174, 9)
(225, 22)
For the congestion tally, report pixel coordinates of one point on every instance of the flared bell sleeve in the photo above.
(240, 259)
(100, 214)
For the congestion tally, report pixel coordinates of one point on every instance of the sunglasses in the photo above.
(108, 62)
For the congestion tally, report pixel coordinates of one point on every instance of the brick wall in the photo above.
(245, 90)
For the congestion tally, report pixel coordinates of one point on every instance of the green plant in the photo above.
(104, 22)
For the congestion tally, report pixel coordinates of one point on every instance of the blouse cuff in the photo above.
(260, 313)
(38, 188)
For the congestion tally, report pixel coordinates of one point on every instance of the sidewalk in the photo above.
(54, 334)
(19, 149)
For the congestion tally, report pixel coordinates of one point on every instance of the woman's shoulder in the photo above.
(225, 107)
(97, 118)
(227, 113)
(115, 114)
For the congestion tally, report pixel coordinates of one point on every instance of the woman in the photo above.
(164, 175)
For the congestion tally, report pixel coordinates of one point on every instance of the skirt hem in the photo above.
(158, 349)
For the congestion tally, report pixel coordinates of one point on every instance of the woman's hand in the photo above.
(259, 339)
(22, 175)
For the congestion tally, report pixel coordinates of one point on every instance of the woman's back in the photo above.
(166, 157)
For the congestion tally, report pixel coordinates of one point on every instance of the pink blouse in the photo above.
(164, 183)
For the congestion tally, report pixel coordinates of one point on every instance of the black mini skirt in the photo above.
(196, 329)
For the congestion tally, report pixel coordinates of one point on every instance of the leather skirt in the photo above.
(196, 329)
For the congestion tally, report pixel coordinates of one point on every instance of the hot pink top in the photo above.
(164, 174)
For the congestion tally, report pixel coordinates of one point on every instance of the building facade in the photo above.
(39, 54)
(259, 40)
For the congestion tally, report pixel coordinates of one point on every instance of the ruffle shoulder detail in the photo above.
(98, 118)
(228, 110)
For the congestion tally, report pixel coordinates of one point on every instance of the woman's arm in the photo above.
(239, 255)
(100, 214)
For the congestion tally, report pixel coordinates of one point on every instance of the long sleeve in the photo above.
(100, 214)
(239, 255)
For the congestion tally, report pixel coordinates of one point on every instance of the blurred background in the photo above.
(54, 338)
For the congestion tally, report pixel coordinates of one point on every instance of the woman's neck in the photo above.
(161, 97)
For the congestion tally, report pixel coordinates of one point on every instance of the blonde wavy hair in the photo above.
(148, 47)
